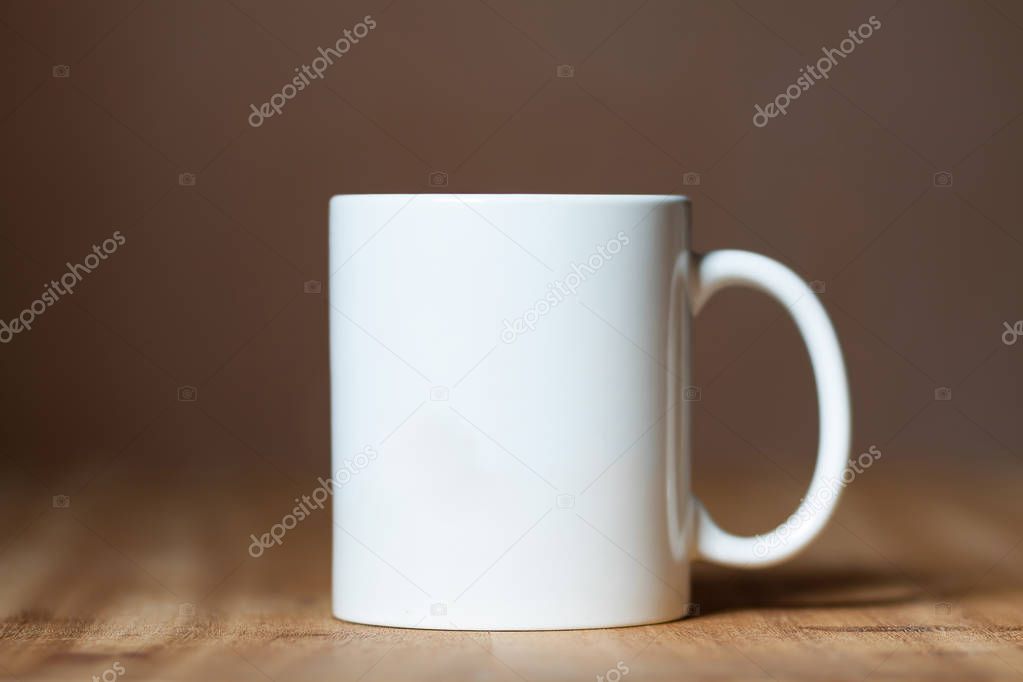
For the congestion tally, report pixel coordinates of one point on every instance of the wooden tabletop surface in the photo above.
(920, 577)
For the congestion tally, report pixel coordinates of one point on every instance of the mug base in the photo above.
(439, 623)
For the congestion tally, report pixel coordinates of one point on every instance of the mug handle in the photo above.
(712, 272)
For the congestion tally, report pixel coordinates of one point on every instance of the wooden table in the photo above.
(919, 578)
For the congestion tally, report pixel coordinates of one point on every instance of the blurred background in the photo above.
(178, 399)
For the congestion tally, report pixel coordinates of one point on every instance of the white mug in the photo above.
(510, 410)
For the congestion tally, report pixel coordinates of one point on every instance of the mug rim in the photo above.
(499, 196)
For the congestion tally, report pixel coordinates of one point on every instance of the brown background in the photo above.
(208, 289)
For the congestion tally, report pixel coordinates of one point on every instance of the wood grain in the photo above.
(919, 578)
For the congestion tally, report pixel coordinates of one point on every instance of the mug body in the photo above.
(509, 429)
